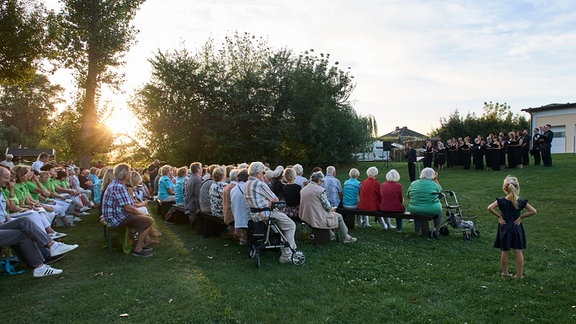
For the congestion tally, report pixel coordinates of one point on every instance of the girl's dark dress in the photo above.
(510, 235)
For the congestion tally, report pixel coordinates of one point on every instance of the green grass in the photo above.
(384, 277)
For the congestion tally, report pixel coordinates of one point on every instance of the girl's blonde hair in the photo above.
(511, 187)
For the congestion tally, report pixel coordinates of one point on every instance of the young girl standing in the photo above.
(510, 230)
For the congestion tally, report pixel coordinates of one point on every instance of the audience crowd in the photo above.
(34, 200)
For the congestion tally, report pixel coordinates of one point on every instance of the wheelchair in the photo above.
(266, 235)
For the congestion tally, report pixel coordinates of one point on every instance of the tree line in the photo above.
(244, 101)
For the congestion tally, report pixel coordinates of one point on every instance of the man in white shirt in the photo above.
(42, 159)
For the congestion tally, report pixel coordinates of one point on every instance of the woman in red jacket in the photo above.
(369, 194)
(392, 199)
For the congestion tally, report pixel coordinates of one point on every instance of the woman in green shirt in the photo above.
(424, 195)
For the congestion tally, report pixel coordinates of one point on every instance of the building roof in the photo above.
(29, 152)
(553, 106)
(404, 132)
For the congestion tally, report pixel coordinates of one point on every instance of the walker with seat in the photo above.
(266, 235)
(454, 219)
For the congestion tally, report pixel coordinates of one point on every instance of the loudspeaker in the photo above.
(387, 146)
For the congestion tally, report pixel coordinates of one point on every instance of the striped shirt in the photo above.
(258, 195)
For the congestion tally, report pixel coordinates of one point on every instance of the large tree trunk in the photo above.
(89, 116)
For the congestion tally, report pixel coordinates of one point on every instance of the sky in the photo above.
(413, 61)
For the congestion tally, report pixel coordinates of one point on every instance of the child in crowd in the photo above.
(510, 230)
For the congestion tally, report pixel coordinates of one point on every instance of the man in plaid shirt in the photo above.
(118, 209)
(260, 198)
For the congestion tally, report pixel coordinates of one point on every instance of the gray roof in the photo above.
(404, 132)
(29, 152)
(553, 106)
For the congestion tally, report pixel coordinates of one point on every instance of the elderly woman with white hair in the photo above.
(316, 210)
(8, 161)
(392, 198)
(370, 194)
(424, 195)
(300, 179)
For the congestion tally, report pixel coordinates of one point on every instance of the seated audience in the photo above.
(240, 208)
(332, 186)
(227, 199)
(291, 193)
(277, 182)
(192, 191)
(392, 198)
(8, 161)
(425, 200)
(118, 209)
(351, 195)
(216, 190)
(205, 189)
(260, 199)
(165, 185)
(370, 195)
(27, 238)
(178, 191)
(317, 212)
(40, 161)
(300, 179)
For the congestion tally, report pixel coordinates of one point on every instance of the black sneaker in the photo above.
(53, 259)
(143, 253)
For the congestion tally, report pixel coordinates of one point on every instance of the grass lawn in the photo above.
(384, 277)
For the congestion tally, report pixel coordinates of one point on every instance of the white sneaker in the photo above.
(45, 271)
(85, 208)
(350, 239)
(82, 213)
(60, 248)
(57, 235)
(77, 219)
(391, 226)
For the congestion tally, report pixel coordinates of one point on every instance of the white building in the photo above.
(562, 118)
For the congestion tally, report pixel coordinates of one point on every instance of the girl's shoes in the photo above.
(508, 275)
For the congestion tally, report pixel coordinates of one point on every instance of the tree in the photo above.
(95, 36)
(28, 108)
(495, 118)
(26, 38)
(245, 101)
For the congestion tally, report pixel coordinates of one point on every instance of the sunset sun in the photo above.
(122, 122)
